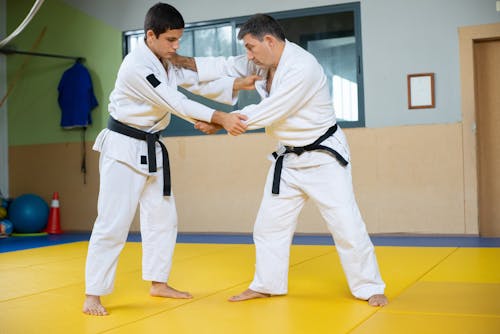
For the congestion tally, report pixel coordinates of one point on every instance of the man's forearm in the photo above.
(184, 62)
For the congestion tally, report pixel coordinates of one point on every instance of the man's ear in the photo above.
(150, 33)
(270, 40)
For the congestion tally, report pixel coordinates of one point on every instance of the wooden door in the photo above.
(487, 87)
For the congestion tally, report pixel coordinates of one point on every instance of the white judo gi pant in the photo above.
(330, 187)
(122, 189)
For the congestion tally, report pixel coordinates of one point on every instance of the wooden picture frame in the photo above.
(421, 91)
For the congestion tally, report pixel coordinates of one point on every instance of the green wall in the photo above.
(33, 112)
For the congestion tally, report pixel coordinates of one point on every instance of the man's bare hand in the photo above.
(207, 128)
(233, 123)
(245, 83)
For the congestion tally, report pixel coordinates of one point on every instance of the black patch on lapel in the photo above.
(144, 160)
(153, 81)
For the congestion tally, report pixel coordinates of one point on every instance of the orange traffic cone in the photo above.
(54, 221)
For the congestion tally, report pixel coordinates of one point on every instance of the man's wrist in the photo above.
(218, 117)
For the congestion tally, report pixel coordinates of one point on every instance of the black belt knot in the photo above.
(294, 149)
(151, 139)
(278, 166)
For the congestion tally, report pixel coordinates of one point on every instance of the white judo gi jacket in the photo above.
(297, 111)
(137, 103)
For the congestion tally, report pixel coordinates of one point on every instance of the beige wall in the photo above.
(407, 180)
(44, 169)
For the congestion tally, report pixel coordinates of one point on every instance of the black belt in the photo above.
(151, 139)
(299, 150)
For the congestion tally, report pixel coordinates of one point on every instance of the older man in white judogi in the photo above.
(312, 159)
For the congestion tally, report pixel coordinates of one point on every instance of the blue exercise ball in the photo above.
(28, 213)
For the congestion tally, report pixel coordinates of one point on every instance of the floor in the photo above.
(435, 285)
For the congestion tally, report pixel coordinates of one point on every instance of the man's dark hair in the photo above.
(260, 25)
(162, 17)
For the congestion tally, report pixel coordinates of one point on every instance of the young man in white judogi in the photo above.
(312, 160)
(134, 162)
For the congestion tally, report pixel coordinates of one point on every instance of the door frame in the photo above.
(4, 138)
(467, 37)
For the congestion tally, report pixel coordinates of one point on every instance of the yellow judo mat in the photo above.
(430, 289)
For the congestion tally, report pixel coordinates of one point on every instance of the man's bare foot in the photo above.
(248, 294)
(93, 306)
(378, 300)
(159, 289)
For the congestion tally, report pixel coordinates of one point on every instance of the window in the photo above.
(331, 33)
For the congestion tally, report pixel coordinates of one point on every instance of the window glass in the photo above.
(212, 42)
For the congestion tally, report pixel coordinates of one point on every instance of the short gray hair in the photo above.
(260, 25)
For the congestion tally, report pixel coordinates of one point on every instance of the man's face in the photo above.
(259, 52)
(167, 43)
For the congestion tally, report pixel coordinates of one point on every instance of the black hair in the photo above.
(260, 25)
(161, 18)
